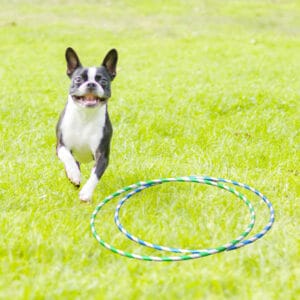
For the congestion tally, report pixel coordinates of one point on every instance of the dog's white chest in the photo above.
(82, 130)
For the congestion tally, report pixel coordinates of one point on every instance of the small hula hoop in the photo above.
(191, 254)
(203, 252)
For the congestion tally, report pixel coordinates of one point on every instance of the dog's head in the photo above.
(91, 86)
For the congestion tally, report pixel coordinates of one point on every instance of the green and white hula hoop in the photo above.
(236, 243)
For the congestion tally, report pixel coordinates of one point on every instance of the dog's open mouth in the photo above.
(89, 100)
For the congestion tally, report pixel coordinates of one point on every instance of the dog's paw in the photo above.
(85, 194)
(73, 174)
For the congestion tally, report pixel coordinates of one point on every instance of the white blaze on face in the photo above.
(92, 74)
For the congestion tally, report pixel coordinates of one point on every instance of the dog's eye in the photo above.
(77, 80)
(103, 82)
(98, 78)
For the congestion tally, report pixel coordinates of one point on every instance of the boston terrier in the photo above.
(84, 130)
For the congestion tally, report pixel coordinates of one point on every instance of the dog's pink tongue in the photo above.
(90, 98)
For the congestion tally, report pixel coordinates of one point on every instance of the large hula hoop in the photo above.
(238, 242)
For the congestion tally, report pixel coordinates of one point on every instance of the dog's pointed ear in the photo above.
(73, 61)
(110, 63)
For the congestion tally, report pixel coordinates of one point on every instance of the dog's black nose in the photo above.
(91, 85)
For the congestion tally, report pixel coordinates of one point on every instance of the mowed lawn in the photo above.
(203, 88)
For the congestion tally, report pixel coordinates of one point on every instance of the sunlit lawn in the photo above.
(203, 87)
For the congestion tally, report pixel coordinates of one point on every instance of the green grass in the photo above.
(203, 87)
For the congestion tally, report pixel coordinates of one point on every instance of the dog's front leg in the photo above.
(86, 192)
(71, 166)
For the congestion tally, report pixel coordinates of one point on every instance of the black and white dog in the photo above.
(84, 130)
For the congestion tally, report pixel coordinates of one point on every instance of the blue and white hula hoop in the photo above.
(236, 243)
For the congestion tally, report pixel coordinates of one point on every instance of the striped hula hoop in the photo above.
(238, 242)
